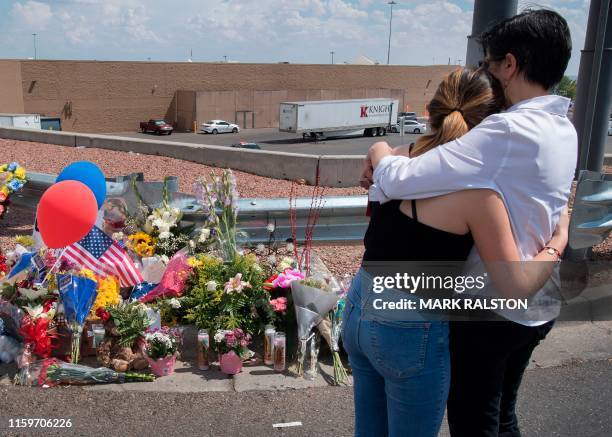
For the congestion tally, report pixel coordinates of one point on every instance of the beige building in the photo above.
(94, 96)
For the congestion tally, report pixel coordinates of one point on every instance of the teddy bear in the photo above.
(120, 358)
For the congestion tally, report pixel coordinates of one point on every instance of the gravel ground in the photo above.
(47, 158)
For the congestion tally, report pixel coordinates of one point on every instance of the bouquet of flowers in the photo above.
(236, 340)
(52, 372)
(78, 295)
(14, 180)
(219, 202)
(313, 300)
(162, 343)
(174, 279)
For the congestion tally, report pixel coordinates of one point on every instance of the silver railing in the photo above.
(342, 219)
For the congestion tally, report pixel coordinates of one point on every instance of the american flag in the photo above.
(100, 253)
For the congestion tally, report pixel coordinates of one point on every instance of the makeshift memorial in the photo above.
(14, 180)
(77, 295)
(269, 345)
(161, 350)
(52, 372)
(231, 346)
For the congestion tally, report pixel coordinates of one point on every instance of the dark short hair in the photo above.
(539, 40)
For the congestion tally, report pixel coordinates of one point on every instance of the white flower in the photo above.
(260, 248)
(34, 312)
(164, 259)
(204, 234)
(219, 336)
(290, 247)
(164, 235)
(272, 259)
(192, 244)
(31, 294)
(211, 286)
(286, 263)
(270, 227)
(174, 303)
(118, 236)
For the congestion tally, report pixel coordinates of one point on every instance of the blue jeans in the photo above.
(401, 371)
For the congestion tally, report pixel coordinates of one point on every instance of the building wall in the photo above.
(11, 96)
(94, 96)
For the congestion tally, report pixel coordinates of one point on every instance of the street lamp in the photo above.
(35, 55)
(332, 54)
(390, 21)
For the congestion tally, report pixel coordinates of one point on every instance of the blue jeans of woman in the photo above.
(401, 370)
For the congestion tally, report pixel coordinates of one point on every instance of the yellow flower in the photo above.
(108, 293)
(24, 240)
(142, 243)
(9, 177)
(3, 168)
(4, 190)
(20, 173)
(89, 274)
(192, 261)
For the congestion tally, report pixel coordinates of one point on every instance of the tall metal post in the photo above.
(390, 21)
(35, 50)
(594, 87)
(486, 14)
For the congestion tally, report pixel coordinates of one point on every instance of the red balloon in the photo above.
(66, 213)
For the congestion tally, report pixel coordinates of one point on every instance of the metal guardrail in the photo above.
(342, 219)
(592, 213)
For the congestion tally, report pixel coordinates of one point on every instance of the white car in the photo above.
(413, 127)
(218, 127)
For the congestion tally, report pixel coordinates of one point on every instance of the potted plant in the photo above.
(231, 345)
(161, 350)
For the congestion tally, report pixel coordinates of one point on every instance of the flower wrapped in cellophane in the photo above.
(52, 372)
(312, 300)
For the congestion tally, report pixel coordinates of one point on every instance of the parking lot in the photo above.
(272, 139)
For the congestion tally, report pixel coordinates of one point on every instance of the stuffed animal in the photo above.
(120, 358)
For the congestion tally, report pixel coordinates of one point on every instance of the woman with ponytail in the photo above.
(400, 358)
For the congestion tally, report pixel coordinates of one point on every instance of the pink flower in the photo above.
(236, 284)
(285, 279)
(279, 304)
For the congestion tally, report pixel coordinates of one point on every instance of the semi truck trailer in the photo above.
(313, 119)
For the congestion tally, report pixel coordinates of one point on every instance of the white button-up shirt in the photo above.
(527, 154)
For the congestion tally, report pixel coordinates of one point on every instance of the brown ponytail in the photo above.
(463, 99)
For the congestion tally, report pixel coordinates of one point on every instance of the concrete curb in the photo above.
(334, 171)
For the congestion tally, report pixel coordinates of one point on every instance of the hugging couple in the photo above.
(489, 182)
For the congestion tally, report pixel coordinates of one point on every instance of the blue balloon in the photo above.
(89, 174)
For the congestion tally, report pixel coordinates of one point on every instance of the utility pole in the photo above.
(390, 22)
(224, 58)
(332, 54)
(35, 51)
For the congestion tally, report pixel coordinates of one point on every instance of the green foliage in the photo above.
(566, 88)
(215, 309)
(130, 320)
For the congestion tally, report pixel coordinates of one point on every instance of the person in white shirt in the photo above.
(528, 156)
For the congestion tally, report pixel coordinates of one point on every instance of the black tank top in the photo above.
(393, 236)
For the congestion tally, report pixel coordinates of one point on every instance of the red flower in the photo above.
(268, 284)
(2, 197)
(102, 314)
(36, 331)
(48, 304)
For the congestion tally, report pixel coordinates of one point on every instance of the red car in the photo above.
(158, 127)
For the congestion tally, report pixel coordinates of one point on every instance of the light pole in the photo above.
(35, 54)
(390, 21)
(332, 53)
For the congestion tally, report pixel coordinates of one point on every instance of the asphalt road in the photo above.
(272, 139)
(567, 401)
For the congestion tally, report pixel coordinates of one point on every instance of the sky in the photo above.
(424, 32)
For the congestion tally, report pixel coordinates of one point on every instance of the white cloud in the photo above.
(34, 14)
